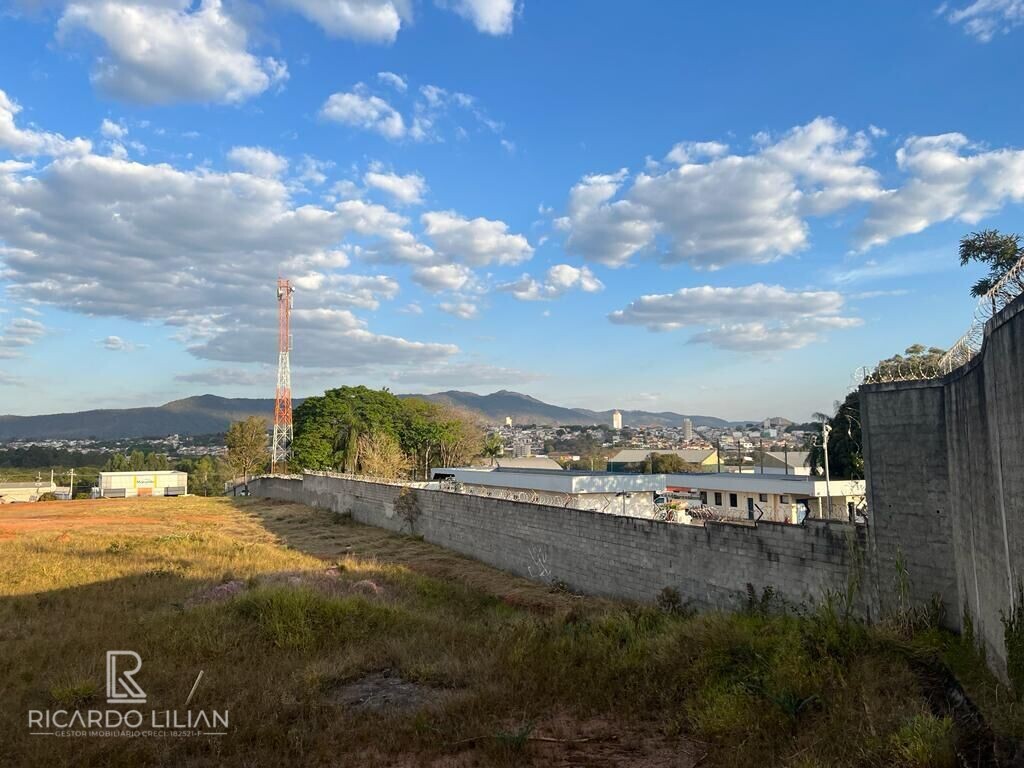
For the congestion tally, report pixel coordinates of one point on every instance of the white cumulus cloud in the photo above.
(558, 280)
(947, 178)
(408, 189)
(443, 277)
(476, 241)
(492, 17)
(258, 160)
(463, 310)
(983, 19)
(376, 21)
(112, 130)
(751, 318)
(17, 334)
(171, 51)
(362, 110)
(26, 142)
(395, 81)
(715, 208)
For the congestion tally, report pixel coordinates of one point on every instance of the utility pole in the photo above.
(718, 454)
(71, 487)
(761, 442)
(825, 430)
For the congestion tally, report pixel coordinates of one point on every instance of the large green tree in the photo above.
(845, 455)
(333, 430)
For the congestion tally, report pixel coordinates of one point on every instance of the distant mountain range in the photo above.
(529, 410)
(202, 415)
(207, 414)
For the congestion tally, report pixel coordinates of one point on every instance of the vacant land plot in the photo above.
(335, 644)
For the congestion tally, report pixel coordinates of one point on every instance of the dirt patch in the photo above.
(326, 580)
(604, 742)
(599, 742)
(15, 524)
(387, 692)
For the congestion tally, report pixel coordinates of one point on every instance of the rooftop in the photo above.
(559, 481)
(633, 455)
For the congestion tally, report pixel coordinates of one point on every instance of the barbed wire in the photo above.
(963, 350)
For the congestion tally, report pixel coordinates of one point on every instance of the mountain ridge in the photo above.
(208, 414)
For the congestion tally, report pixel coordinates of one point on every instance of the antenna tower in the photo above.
(283, 434)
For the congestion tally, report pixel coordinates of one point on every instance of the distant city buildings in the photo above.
(705, 458)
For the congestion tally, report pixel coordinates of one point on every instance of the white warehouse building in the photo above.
(770, 496)
(631, 495)
(120, 485)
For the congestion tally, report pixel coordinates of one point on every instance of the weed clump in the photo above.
(925, 741)
(302, 619)
(1013, 636)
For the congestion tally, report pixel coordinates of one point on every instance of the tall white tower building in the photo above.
(687, 429)
(616, 420)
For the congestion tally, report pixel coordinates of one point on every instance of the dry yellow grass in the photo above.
(285, 608)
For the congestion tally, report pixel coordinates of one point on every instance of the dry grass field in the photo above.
(336, 644)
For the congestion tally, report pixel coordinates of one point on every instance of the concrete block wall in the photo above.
(945, 467)
(907, 481)
(600, 553)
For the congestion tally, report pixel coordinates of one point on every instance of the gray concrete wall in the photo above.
(946, 481)
(600, 553)
(907, 481)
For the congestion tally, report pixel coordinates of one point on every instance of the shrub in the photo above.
(72, 692)
(670, 601)
(408, 507)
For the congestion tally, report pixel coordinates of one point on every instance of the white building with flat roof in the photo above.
(631, 495)
(770, 496)
(119, 485)
(27, 491)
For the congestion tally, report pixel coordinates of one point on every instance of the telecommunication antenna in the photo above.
(281, 449)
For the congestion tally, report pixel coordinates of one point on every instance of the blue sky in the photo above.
(719, 208)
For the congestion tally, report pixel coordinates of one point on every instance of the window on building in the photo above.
(733, 501)
(785, 499)
(762, 497)
(718, 498)
(750, 507)
(703, 497)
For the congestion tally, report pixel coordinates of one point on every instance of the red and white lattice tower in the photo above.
(282, 446)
